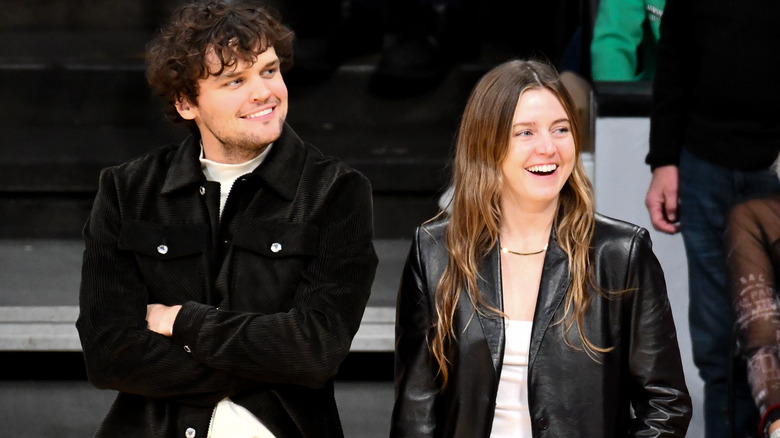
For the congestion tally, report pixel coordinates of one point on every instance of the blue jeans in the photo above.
(707, 192)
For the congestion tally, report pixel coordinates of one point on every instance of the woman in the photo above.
(523, 313)
(753, 260)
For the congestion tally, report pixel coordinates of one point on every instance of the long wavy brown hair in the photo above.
(475, 211)
(235, 30)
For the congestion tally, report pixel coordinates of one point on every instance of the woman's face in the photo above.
(541, 151)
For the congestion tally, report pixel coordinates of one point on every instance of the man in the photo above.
(224, 278)
(714, 133)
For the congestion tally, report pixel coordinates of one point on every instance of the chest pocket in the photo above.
(170, 257)
(269, 262)
(278, 239)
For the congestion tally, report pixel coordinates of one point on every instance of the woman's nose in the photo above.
(545, 145)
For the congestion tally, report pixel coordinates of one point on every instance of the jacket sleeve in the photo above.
(120, 352)
(416, 385)
(617, 35)
(751, 235)
(305, 345)
(660, 397)
(676, 68)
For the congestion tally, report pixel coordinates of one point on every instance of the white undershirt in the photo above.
(231, 420)
(513, 417)
(227, 174)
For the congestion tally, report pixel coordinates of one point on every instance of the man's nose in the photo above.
(260, 90)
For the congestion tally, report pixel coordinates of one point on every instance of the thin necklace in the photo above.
(506, 250)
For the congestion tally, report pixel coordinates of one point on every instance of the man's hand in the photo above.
(661, 200)
(160, 318)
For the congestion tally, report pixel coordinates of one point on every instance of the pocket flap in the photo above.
(278, 239)
(163, 241)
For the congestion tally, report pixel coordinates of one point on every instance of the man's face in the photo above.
(242, 110)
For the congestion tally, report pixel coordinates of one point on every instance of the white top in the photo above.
(512, 417)
(227, 174)
(229, 419)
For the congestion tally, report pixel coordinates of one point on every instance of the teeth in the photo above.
(543, 168)
(260, 114)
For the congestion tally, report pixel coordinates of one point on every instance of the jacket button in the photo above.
(202, 190)
(189, 433)
(543, 423)
(276, 247)
(162, 249)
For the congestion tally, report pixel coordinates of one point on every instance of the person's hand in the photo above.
(160, 318)
(661, 200)
(773, 426)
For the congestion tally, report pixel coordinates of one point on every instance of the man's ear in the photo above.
(186, 110)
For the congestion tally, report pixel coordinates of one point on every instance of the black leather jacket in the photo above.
(570, 394)
(272, 294)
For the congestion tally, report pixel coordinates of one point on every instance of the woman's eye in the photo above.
(525, 133)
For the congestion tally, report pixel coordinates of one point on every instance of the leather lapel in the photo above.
(552, 290)
(489, 284)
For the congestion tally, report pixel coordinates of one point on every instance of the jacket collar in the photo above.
(489, 285)
(552, 290)
(281, 170)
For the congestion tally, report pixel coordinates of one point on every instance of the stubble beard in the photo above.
(245, 148)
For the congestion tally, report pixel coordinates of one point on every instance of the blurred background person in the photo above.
(624, 40)
(753, 261)
(714, 130)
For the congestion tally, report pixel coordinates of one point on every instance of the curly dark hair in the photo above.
(236, 30)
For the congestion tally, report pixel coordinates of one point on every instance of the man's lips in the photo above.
(261, 113)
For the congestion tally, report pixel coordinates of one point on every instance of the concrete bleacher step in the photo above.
(39, 284)
(72, 408)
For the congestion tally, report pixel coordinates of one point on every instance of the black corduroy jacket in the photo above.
(570, 394)
(272, 293)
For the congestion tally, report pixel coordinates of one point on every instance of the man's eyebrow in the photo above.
(273, 63)
(231, 74)
(236, 71)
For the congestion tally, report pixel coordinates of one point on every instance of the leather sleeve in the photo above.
(416, 384)
(661, 402)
